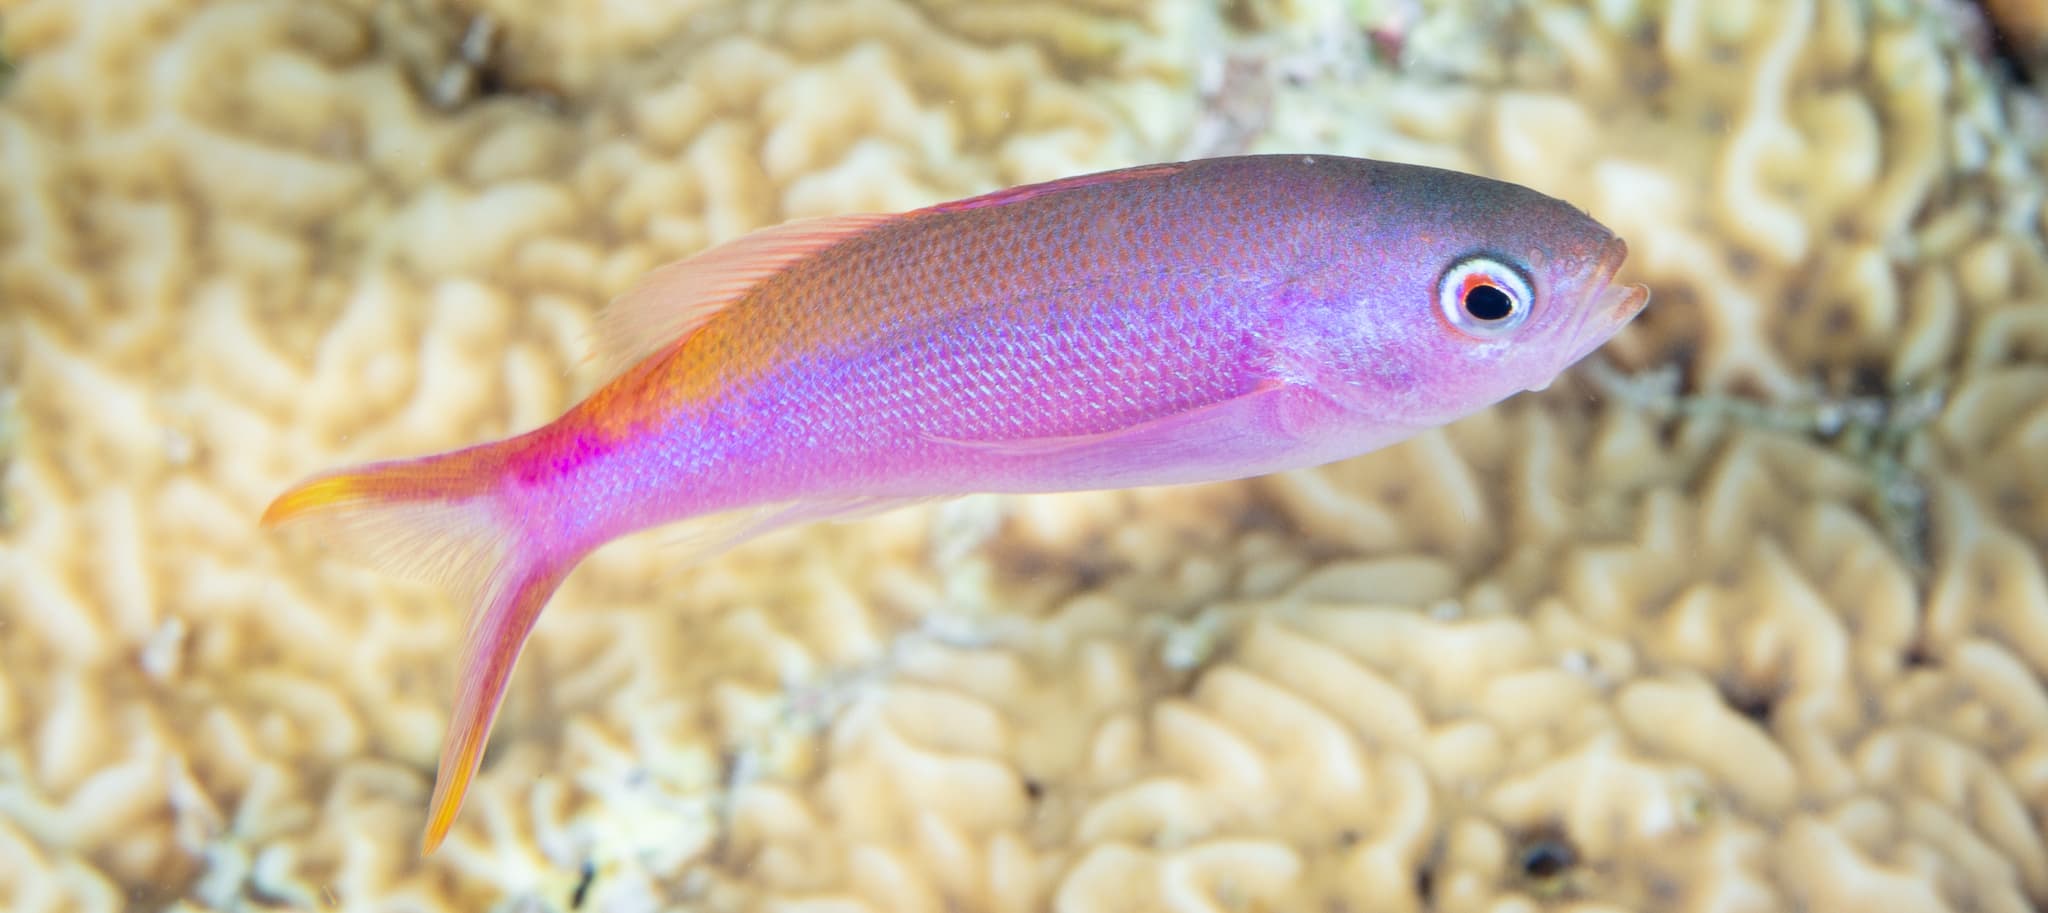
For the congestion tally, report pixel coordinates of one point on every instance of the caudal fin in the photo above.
(443, 518)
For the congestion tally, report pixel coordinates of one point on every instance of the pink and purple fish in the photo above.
(1199, 321)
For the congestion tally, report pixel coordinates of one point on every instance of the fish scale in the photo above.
(1181, 322)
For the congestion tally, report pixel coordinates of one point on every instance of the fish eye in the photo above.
(1484, 298)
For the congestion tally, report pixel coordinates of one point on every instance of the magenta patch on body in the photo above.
(1182, 322)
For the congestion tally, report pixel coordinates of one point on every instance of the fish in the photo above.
(1178, 322)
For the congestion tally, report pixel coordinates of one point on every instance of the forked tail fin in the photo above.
(444, 518)
(496, 633)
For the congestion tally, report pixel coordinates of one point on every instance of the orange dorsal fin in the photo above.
(673, 300)
(1019, 194)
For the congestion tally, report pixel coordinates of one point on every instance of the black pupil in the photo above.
(1488, 303)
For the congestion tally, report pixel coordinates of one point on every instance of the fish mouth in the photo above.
(1618, 306)
(1613, 306)
(1611, 309)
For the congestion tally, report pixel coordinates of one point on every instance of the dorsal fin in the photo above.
(1027, 191)
(673, 300)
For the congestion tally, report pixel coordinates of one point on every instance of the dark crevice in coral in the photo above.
(2008, 58)
(1426, 872)
(1868, 378)
(1917, 656)
(1544, 856)
(1753, 702)
(582, 890)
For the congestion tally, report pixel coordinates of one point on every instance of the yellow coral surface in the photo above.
(1750, 614)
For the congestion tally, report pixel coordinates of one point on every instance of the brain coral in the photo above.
(1751, 616)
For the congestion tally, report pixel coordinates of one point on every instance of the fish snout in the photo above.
(1611, 257)
(1617, 305)
(1611, 308)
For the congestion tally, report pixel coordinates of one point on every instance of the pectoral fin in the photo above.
(1244, 427)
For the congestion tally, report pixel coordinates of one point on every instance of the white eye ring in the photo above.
(1484, 298)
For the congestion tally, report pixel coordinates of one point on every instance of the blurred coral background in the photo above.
(1748, 613)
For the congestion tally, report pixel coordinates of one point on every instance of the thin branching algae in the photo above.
(1876, 433)
(1755, 618)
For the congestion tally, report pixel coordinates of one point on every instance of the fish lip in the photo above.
(1619, 305)
(1611, 259)
(1613, 305)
